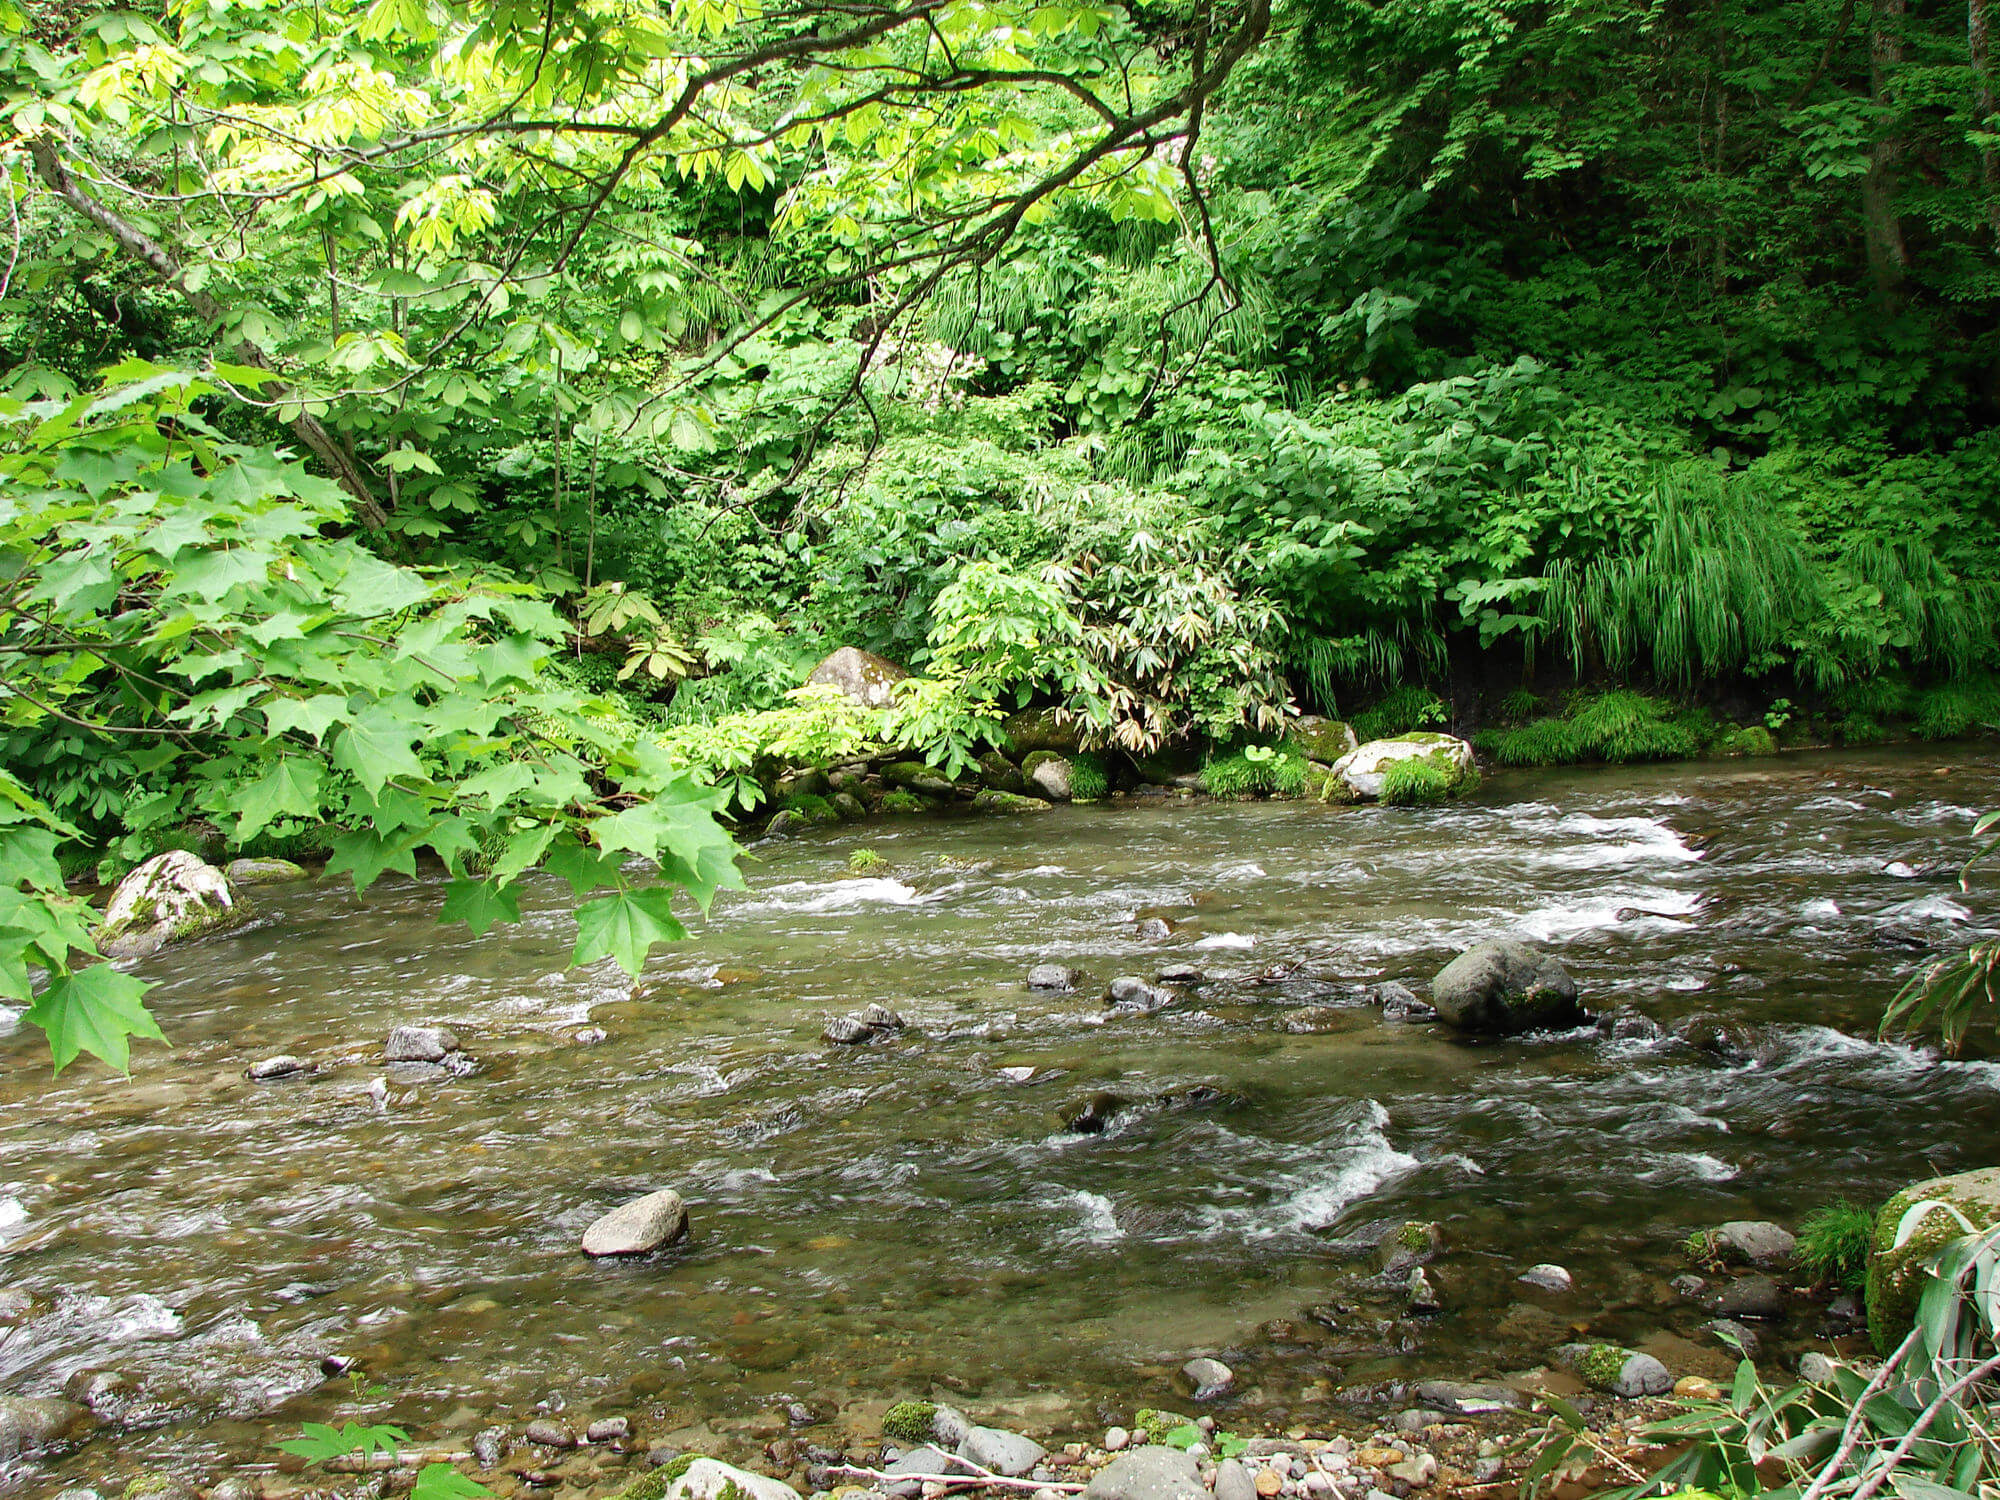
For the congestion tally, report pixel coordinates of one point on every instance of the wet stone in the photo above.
(1129, 992)
(1001, 1451)
(1549, 1277)
(1182, 974)
(609, 1430)
(1153, 1472)
(1751, 1297)
(638, 1227)
(273, 1068)
(1208, 1377)
(546, 1432)
(427, 1044)
(1053, 977)
(489, 1447)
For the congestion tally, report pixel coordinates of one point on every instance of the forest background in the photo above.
(454, 431)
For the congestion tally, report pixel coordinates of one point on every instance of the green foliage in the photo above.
(1545, 742)
(1833, 1244)
(1951, 710)
(910, 1421)
(1425, 780)
(861, 861)
(678, 1465)
(1257, 770)
(1089, 778)
(1745, 739)
(901, 802)
(1624, 726)
(434, 1481)
(1404, 709)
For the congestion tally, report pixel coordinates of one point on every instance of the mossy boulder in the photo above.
(1896, 1272)
(1750, 739)
(813, 809)
(1040, 729)
(1000, 774)
(262, 871)
(1613, 1368)
(868, 679)
(905, 803)
(1007, 802)
(1323, 740)
(171, 898)
(1365, 769)
(1157, 1425)
(917, 776)
(1505, 988)
(1049, 775)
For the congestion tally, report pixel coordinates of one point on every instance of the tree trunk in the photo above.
(137, 244)
(1888, 256)
(1983, 106)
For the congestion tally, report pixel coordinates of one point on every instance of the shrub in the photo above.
(1518, 707)
(1405, 708)
(1833, 1244)
(1860, 729)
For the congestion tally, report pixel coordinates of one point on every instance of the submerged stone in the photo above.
(262, 871)
(429, 1044)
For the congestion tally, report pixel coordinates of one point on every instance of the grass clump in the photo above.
(1518, 707)
(1544, 742)
(1953, 710)
(1258, 770)
(1623, 725)
(902, 802)
(1405, 708)
(863, 860)
(653, 1484)
(1425, 780)
(1158, 1424)
(910, 1421)
(1833, 1244)
(1089, 779)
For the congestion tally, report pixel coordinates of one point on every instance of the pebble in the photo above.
(235, 1487)
(798, 1414)
(1053, 977)
(1209, 1377)
(1320, 1486)
(609, 1430)
(490, 1447)
(1695, 1388)
(1419, 1471)
(1115, 1439)
(1550, 1278)
(1815, 1368)
(590, 1036)
(418, 1044)
(282, 1066)
(1268, 1483)
(549, 1433)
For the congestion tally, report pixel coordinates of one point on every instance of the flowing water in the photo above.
(910, 1217)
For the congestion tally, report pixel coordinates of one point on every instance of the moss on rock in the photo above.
(1896, 1272)
(1157, 1424)
(903, 802)
(910, 1421)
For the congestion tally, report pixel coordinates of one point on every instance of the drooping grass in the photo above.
(1404, 709)
(1954, 709)
(1518, 707)
(1544, 742)
(1281, 773)
(1622, 725)
(1833, 1244)
(1425, 780)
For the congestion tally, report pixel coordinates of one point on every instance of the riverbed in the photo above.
(911, 1217)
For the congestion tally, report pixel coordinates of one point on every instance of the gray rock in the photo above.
(850, 807)
(1747, 1339)
(784, 824)
(1131, 993)
(235, 1487)
(262, 871)
(1053, 977)
(1182, 974)
(1154, 1472)
(1006, 1453)
(1469, 1397)
(608, 1430)
(1751, 1297)
(1643, 1375)
(547, 1432)
(949, 1426)
(1363, 769)
(1419, 1419)
(868, 679)
(489, 1447)
(921, 1460)
(1764, 1245)
(419, 1044)
(798, 1414)
(1116, 1439)
(1233, 1481)
(992, 801)
(1816, 1369)
(271, 1068)
(1688, 1285)
(171, 898)
(1505, 988)
(28, 1424)
(1549, 1277)
(706, 1479)
(590, 1036)
(638, 1227)
(1418, 1470)
(864, 1025)
(1209, 1377)
(1051, 779)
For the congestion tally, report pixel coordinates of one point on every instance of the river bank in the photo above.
(911, 1217)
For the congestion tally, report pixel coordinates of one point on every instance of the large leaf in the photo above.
(479, 904)
(93, 1010)
(376, 746)
(625, 925)
(290, 789)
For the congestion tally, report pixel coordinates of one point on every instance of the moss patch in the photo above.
(903, 802)
(1896, 1273)
(1600, 1365)
(910, 1421)
(1157, 1424)
(653, 1484)
(1089, 778)
(1424, 780)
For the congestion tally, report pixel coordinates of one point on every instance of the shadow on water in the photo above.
(885, 1220)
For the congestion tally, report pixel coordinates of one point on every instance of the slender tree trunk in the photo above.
(137, 244)
(1983, 107)
(1888, 256)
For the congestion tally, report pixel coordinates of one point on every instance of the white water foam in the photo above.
(842, 895)
(1658, 910)
(1237, 940)
(1099, 1220)
(1614, 842)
